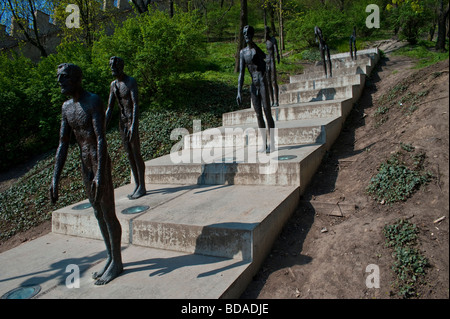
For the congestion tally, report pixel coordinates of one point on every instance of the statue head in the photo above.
(116, 64)
(69, 78)
(248, 32)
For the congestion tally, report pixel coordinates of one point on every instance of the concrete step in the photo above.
(210, 241)
(149, 273)
(339, 64)
(325, 94)
(290, 165)
(291, 112)
(344, 80)
(342, 64)
(306, 131)
(179, 217)
(317, 74)
(371, 52)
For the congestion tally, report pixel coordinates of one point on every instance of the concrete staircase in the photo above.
(219, 197)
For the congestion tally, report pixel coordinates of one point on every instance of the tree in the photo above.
(243, 21)
(442, 18)
(141, 5)
(93, 18)
(408, 17)
(23, 13)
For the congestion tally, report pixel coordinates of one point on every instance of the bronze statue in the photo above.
(124, 89)
(353, 43)
(84, 116)
(324, 50)
(253, 58)
(272, 49)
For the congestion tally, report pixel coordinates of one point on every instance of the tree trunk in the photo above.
(282, 47)
(171, 8)
(443, 14)
(243, 21)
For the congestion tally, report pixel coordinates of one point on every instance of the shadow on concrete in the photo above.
(324, 95)
(229, 239)
(57, 270)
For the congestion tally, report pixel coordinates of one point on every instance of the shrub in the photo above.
(157, 49)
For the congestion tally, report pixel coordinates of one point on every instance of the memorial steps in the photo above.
(218, 204)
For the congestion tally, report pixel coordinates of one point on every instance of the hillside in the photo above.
(321, 255)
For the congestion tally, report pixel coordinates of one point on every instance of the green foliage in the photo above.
(157, 50)
(408, 17)
(336, 22)
(22, 109)
(399, 177)
(331, 21)
(409, 264)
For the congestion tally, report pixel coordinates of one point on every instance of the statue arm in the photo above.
(111, 103)
(135, 114)
(241, 77)
(60, 158)
(99, 126)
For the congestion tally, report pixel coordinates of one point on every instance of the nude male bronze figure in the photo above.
(324, 50)
(272, 53)
(83, 116)
(124, 90)
(253, 58)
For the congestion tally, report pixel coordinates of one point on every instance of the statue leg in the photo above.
(329, 60)
(322, 56)
(274, 83)
(139, 166)
(351, 47)
(268, 114)
(130, 156)
(271, 92)
(256, 100)
(111, 231)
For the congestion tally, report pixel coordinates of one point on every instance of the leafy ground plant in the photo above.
(409, 265)
(400, 176)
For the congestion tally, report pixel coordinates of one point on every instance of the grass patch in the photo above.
(423, 53)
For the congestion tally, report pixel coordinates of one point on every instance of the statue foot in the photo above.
(114, 270)
(100, 273)
(139, 193)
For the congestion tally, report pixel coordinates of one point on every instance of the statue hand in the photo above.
(130, 134)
